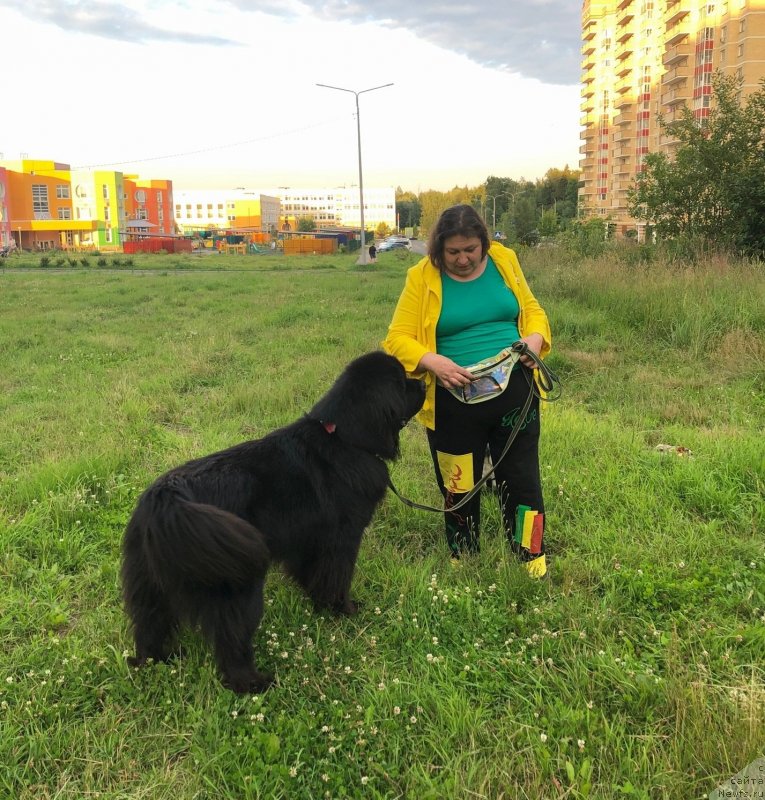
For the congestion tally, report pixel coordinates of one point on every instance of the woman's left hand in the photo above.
(534, 342)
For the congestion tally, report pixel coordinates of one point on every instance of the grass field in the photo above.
(637, 671)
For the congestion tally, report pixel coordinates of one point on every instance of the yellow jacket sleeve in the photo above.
(406, 339)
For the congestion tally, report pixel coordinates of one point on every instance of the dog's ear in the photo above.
(366, 404)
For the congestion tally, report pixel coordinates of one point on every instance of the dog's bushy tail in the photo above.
(195, 542)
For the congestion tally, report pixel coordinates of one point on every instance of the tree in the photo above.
(526, 220)
(713, 190)
(548, 224)
(306, 224)
(408, 209)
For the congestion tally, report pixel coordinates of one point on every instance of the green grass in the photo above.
(635, 672)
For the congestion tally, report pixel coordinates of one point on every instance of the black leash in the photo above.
(549, 384)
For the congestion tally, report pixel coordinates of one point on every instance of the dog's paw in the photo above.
(252, 683)
(349, 608)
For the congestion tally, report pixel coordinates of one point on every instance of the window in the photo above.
(65, 213)
(40, 198)
(105, 191)
(62, 191)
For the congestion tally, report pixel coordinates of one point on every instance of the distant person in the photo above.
(466, 302)
(372, 252)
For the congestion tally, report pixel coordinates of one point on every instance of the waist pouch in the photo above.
(491, 377)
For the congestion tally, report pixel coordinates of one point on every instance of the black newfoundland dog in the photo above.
(202, 536)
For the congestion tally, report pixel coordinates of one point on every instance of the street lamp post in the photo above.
(364, 255)
(493, 212)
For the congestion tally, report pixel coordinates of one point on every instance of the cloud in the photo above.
(106, 20)
(536, 39)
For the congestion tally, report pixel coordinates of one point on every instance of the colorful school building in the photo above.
(46, 205)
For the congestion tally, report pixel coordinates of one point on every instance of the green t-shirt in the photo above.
(478, 318)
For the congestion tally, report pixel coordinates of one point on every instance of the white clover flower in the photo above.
(364, 780)
(543, 737)
(580, 744)
(396, 710)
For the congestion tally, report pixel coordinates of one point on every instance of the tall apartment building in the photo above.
(643, 58)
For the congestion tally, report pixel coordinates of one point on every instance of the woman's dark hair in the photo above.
(461, 220)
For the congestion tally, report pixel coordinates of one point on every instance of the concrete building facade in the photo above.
(645, 58)
(281, 208)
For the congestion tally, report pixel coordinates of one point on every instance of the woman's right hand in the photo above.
(447, 373)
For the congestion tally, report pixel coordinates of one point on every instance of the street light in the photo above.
(363, 256)
(493, 212)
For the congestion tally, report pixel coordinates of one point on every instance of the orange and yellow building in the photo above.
(645, 58)
(46, 205)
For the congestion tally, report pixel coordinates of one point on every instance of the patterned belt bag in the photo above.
(491, 377)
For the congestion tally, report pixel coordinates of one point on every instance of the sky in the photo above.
(224, 95)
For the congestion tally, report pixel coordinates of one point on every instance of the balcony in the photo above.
(677, 32)
(587, 163)
(675, 114)
(622, 136)
(624, 101)
(587, 105)
(624, 118)
(624, 18)
(622, 185)
(624, 167)
(625, 151)
(588, 47)
(587, 150)
(675, 12)
(676, 53)
(675, 95)
(624, 84)
(677, 75)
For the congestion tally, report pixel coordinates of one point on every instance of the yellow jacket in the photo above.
(412, 331)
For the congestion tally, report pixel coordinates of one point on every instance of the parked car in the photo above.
(394, 243)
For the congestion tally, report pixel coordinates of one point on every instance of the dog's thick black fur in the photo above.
(202, 536)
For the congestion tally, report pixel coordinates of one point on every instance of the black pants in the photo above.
(458, 447)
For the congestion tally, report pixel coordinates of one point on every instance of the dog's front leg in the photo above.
(327, 580)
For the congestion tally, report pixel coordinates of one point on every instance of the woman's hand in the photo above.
(534, 341)
(447, 373)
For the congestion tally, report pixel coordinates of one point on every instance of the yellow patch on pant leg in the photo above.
(537, 567)
(456, 471)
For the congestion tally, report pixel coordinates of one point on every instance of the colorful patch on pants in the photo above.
(456, 471)
(529, 529)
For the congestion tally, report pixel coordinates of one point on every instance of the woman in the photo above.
(464, 303)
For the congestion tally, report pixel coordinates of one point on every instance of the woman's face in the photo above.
(462, 255)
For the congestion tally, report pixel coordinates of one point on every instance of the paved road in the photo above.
(419, 246)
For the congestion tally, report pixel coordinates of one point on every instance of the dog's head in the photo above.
(370, 403)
